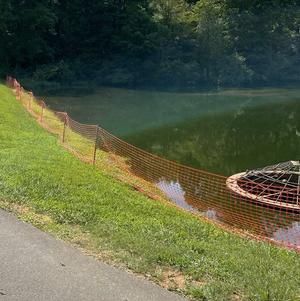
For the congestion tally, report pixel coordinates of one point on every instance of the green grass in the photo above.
(46, 185)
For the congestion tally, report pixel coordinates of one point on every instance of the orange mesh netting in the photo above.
(263, 203)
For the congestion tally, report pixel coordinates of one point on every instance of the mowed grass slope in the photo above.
(149, 237)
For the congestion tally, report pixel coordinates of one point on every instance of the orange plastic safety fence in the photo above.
(201, 192)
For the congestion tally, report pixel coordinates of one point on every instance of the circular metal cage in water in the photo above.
(275, 186)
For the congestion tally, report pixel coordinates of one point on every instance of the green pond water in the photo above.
(223, 132)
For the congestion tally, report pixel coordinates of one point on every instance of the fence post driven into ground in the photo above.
(21, 94)
(18, 92)
(42, 111)
(65, 127)
(96, 144)
(30, 100)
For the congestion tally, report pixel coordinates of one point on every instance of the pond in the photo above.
(223, 132)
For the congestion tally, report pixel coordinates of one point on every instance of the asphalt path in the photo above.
(34, 266)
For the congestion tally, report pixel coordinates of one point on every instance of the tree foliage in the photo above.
(163, 43)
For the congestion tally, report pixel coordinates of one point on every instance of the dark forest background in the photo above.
(152, 43)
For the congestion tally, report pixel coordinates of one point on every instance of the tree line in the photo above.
(153, 43)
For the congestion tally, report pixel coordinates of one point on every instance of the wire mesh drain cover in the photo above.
(273, 186)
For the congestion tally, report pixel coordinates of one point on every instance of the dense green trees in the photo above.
(163, 43)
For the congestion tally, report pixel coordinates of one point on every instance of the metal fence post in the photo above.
(18, 90)
(96, 144)
(21, 94)
(42, 112)
(30, 101)
(64, 129)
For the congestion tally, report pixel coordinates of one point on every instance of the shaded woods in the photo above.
(152, 43)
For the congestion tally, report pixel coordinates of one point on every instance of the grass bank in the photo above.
(49, 187)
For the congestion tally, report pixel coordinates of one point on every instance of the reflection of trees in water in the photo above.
(230, 142)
